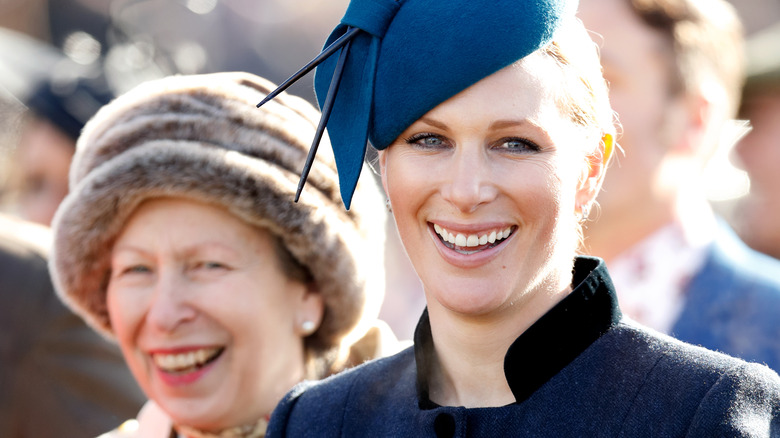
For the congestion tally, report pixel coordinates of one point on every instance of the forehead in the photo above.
(528, 89)
(185, 221)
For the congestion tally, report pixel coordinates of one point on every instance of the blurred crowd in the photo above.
(60, 61)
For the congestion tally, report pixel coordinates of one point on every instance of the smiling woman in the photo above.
(495, 166)
(179, 240)
(492, 150)
(179, 271)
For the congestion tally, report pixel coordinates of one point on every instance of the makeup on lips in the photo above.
(184, 365)
(473, 242)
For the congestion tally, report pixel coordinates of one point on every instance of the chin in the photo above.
(194, 413)
(470, 296)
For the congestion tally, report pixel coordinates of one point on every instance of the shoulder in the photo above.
(23, 258)
(704, 392)
(25, 237)
(731, 304)
(358, 391)
(662, 351)
(730, 261)
(660, 363)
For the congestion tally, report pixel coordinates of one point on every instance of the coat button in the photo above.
(444, 425)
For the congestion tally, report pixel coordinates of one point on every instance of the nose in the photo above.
(170, 307)
(469, 179)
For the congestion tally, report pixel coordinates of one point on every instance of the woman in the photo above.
(179, 241)
(494, 131)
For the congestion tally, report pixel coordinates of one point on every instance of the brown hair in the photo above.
(706, 39)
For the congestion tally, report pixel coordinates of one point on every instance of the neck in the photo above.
(256, 430)
(614, 232)
(470, 351)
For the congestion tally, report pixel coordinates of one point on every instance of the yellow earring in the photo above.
(609, 145)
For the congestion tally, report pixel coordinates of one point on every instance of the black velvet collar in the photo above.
(552, 342)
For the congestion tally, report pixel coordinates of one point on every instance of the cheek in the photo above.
(399, 170)
(406, 181)
(262, 309)
(125, 312)
(125, 316)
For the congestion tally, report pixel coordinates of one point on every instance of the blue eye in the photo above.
(136, 269)
(427, 141)
(516, 144)
(210, 265)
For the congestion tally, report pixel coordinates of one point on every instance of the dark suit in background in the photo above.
(58, 378)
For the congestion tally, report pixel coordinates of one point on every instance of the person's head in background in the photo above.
(758, 214)
(675, 71)
(179, 239)
(57, 110)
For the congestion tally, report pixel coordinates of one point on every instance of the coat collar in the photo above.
(554, 341)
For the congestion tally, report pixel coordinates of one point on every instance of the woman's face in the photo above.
(44, 159)
(205, 317)
(501, 172)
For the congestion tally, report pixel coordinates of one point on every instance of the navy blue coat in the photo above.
(580, 371)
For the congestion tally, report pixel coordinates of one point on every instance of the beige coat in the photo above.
(152, 422)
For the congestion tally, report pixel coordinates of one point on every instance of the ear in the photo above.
(593, 176)
(382, 155)
(310, 309)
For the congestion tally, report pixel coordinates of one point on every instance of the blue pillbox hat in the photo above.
(412, 55)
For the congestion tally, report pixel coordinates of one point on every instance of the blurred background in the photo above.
(80, 53)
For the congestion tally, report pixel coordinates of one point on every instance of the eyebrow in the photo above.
(498, 124)
(433, 123)
(501, 124)
(187, 251)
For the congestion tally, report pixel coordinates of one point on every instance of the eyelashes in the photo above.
(518, 144)
(428, 141)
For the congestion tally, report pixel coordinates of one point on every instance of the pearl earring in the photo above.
(308, 327)
(388, 205)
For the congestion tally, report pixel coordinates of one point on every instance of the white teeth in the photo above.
(181, 361)
(471, 240)
(450, 237)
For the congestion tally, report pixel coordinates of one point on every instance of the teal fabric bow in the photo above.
(401, 58)
(350, 118)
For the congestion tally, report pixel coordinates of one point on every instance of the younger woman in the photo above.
(494, 132)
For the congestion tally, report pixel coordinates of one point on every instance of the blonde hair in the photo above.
(584, 92)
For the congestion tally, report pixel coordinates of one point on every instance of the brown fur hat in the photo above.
(200, 137)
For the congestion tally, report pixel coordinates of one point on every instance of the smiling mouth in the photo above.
(472, 243)
(182, 363)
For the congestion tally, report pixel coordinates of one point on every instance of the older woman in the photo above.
(179, 241)
(494, 130)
